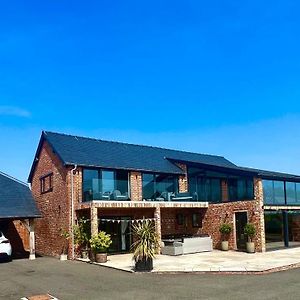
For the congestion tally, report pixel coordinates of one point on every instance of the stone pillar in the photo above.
(158, 226)
(259, 215)
(94, 220)
(31, 239)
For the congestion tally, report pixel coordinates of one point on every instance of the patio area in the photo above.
(215, 261)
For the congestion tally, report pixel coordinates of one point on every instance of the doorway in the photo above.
(241, 220)
(120, 231)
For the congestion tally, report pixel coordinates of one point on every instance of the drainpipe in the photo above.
(72, 210)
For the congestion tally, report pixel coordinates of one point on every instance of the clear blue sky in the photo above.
(218, 77)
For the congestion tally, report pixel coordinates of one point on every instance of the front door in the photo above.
(119, 230)
(240, 222)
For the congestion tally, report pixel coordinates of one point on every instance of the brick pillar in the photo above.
(182, 180)
(158, 226)
(224, 187)
(136, 186)
(259, 218)
(94, 220)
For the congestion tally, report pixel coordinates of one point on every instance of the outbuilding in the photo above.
(17, 214)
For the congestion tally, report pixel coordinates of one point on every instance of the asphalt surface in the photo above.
(77, 280)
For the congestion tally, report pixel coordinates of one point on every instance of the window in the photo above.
(46, 183)
(156, 185)
(240, 189)
(197, 220)
(180, 219)
(273, 192)
(291, 195)
(101, 184)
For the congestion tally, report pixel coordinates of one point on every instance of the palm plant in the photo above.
(146, 242)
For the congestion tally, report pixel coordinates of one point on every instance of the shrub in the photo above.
(225, 230)
(250, 231)
(100, 242)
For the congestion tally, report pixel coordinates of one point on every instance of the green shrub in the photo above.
(82, 233)
(100, 242)
(250, 231)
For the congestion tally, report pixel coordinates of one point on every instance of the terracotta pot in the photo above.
(101, 257)
(224, 245)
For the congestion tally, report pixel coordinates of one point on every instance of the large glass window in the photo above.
(291, 195)
(240, 189)
(273, 192)
(159, 186)
(105, 185)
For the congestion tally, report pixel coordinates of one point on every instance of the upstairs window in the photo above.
(46, 183)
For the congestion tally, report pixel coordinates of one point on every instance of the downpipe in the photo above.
(72, 211)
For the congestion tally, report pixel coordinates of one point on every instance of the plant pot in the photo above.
(224, 245)
(144, 265)
(63, 257)
(101, 257)
(250, 247)
(85, 254)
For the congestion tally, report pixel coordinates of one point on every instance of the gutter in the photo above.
(72, 211)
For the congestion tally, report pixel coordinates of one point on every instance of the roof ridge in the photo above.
(14, 179)
(133, 144)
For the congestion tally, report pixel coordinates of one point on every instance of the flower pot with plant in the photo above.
(249, 231)
(66, 236)
(82, 235)
(99, 244)
(225, 230)
(145, 246)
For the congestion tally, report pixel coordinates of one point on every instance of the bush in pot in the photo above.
(99, 244)
(249, 231)
(225, 229)
(145, 246)
(82, 235)
(64, 252)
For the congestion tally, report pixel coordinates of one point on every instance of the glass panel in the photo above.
(216, 194)
(291, 192)
(294, 228)
(279, 192)
(232, 189)
(298, 192)
(250, 189)
(241, 189)
(268, 191)
(274, 230)
(91, 185)
(148, 186)
(122, 182)
(108, 182)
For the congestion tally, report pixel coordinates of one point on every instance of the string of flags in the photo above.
(127, 220)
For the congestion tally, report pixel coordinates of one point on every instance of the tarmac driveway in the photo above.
(77, 280)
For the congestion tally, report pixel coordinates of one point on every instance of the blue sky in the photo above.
(219, 77)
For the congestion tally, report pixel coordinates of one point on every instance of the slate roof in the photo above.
(99, 153)
(16, 200)
(272, 174)
(90, 152)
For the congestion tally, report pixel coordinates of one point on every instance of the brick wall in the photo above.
(54, 206)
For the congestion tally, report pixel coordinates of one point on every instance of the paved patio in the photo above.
(215, 261)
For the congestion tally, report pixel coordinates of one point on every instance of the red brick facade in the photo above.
(55, 207)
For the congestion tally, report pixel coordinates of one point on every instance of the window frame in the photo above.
(43, 179)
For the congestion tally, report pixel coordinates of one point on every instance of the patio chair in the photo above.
(116, 195)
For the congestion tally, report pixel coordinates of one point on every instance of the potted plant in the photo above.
(66, 236)
(82, 236)
(250, 231)
(99, 244)
(225, 229)
(145, 246)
